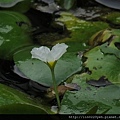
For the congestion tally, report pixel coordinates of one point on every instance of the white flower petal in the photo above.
(58, 50)
(40, 53)
(44, 54)
(50, 58)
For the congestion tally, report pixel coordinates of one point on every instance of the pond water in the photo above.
(43, 33)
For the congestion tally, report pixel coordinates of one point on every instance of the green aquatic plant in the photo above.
(50, 57)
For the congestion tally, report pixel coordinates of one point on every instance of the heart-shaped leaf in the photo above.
(38, 71)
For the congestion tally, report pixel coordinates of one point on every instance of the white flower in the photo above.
(50, 57)
(46, 55)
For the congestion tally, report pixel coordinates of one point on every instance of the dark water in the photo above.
(11, 76)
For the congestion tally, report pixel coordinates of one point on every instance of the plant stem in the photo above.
(55, 86)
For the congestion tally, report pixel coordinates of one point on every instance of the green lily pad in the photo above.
(106, 99)
(104, 59)
(38, 71)
(81, 102)
(14, 33)
(103, 64)
(9, 3)
(15, 102)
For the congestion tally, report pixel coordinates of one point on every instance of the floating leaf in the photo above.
(14, 33)
(104, 59)
(15, 102)
(101, 64)
(107, 99)
(38, 71)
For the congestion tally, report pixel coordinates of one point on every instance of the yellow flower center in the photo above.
(51, 63)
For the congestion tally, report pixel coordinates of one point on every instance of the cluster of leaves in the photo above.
(102, 72)
(100, 44)
(15, 30)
